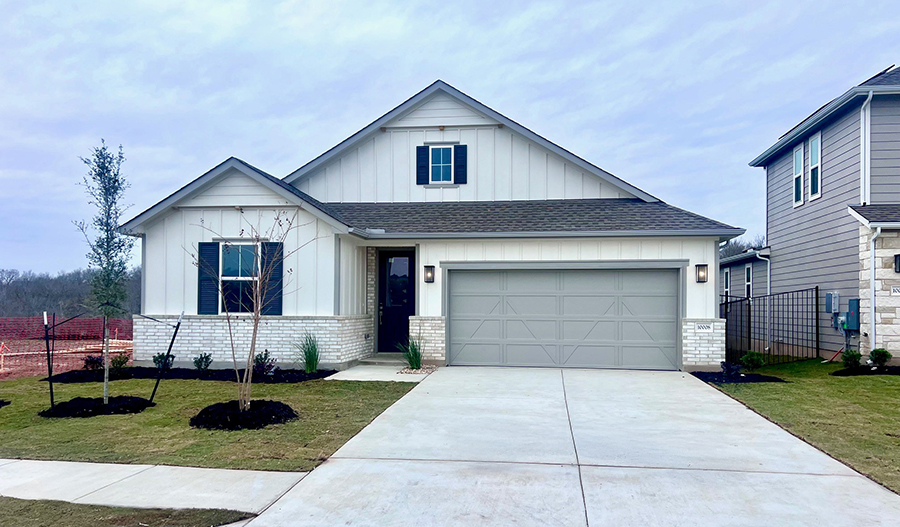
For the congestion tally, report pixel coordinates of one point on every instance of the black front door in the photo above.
(396, 297)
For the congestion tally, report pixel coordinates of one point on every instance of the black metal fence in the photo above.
(782, 326)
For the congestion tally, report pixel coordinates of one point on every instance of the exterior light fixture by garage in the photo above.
(897, 263)
(429, 274)
(702, 273)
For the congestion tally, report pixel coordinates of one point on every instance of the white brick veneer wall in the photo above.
(431, 335)
(702, 349)
(342, 339)
(887, 309)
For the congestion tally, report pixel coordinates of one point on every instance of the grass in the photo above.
(854, 419)
(331, 412)
(39, 513)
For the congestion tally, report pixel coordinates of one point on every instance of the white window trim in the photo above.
(795, 175)
(817, 136)
(452, 164)
(748, 284)
(223, 278)
(726, 283)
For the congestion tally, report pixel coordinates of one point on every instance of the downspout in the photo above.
(872, 289)
(865, 161)
(768, 260)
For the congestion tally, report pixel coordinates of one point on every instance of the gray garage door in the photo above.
(572, 318)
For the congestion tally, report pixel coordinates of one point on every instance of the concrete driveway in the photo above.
(515, 446)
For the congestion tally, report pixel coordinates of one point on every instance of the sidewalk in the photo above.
(144, 486)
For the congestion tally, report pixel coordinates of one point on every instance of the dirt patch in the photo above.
(91, 406)
(423, 370)
(278, 376)
(867, 370)
(718, 377)
(227, 416)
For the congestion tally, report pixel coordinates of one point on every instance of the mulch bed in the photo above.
(227, 416)
(718, 377)
(867, 370)
(91, 406)
(278, 376)
(4, 402)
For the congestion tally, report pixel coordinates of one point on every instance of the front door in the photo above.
(396, 297)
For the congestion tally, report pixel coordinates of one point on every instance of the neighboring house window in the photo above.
(441, 164)
(798, 176)
(727, 282)
(240, 271)
(815, 167)
(748, 280)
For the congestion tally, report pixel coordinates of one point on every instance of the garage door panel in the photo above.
(589, 330)
(572, 318)
(475, 305)
(592, 356)
(597, 306)
(531, 329)
(531, 305)
(531, 354)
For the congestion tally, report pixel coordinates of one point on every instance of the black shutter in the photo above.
(421, 165)
(460, 156)
(208, 278)
(273, 260)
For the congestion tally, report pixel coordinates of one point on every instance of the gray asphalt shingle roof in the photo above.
(889, 77)
(880, 213)
(572, 215)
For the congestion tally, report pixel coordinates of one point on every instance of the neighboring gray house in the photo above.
(832, 182)
(743, 275)
(449, 222)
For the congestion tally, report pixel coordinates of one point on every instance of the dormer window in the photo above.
(441, 164)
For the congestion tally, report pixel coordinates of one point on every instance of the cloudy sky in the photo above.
(675, 99)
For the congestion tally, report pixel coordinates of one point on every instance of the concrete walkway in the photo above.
(144, 486)
(490, 446)
(376, 372)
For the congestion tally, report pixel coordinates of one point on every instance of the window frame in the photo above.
(726, 283)
(818, 138)
(748, 280)
(796, 175)
(431, 148)
(222, 278)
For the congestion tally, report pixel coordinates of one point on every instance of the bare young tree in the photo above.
(739, 245)
(269, 275)
(109, 249)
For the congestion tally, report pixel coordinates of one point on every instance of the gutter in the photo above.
(381, 234)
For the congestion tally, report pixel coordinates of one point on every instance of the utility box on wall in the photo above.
(833, 302)
(852, 321)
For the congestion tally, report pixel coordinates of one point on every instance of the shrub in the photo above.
(159, 360)
(308, 353)
(93, 362)
(753, 360)
(202, 361)
(880, 356)
(729, 369)
(412, 353)
(851, 358)
(263, 364)
(117, 364)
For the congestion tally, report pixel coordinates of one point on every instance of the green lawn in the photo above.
(41, 513)
(331, 412)
(854, 419)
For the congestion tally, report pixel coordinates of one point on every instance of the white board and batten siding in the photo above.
(502, 165)
(170, 247)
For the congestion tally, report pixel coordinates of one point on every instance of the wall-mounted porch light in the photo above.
(897, 263)
(429, 274)
(702, 273)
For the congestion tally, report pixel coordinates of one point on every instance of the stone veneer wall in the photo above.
(702, 349)
(431, 335)
(887, 308)
(342, 339)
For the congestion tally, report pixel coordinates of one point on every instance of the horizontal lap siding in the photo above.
(738, 277)
(817, 243)
(886, 149)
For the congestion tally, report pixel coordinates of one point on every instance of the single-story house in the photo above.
(444, 221)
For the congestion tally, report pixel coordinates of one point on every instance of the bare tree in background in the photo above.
(109, 249)
(269, 276)
(739, 245)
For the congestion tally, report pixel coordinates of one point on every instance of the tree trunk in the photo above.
(105, 360)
